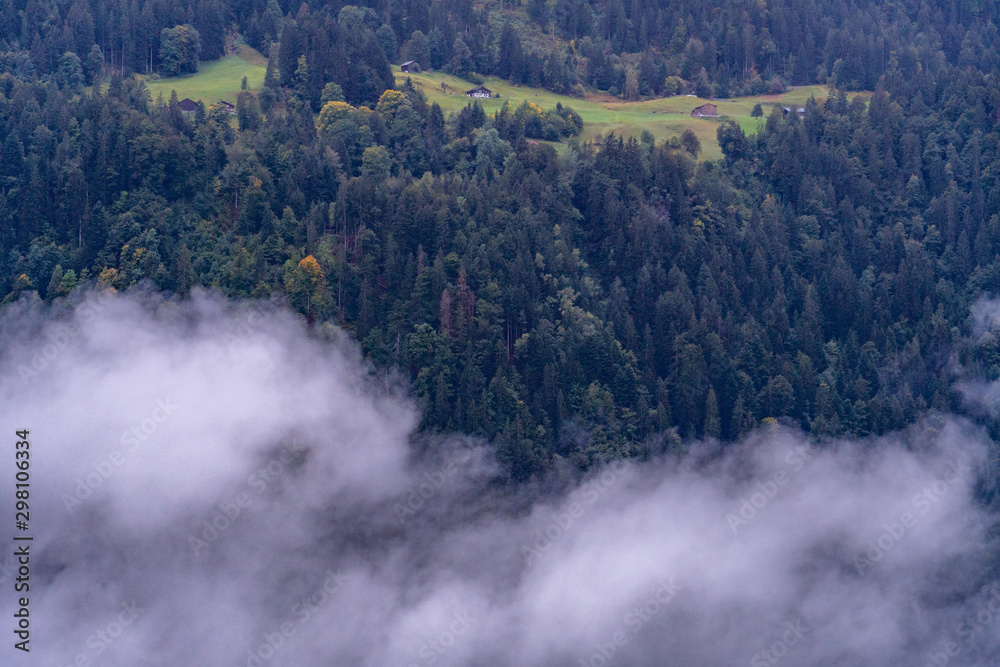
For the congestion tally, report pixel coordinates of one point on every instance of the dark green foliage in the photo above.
(731, 140)
(70, 73)
(640, 47)
(387, 40)
(180, 47)
(247, 111)
(331, 93)
(690, 142)
(418, 48)
(530, 121)
(343, 50)
(94, 64)
(577, 306)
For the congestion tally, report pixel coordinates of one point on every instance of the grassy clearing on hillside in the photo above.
(216, 79)
(602, 114)
(664, 117)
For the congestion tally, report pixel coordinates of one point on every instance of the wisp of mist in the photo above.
(214, 483)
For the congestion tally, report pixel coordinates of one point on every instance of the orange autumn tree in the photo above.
(306, 287)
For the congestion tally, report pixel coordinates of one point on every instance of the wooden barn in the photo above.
(706, 110)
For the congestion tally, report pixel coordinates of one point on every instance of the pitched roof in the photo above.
(187, 104)
(707, 109)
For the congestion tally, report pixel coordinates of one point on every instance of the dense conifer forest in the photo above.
(603, 300)
(630, 48)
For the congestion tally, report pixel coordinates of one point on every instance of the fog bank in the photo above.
(212, 484)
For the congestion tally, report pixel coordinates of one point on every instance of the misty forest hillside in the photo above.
(602, 302)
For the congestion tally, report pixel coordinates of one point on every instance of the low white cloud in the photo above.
(252, 495)
(982, 395)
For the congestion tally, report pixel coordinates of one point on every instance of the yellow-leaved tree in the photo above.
(306, 287)
(391, 104)
(333, 112)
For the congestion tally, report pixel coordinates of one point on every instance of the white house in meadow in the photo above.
(479, 91)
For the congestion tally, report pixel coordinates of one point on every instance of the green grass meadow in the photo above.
(602, 114)
(216, 79)
(664, 117)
